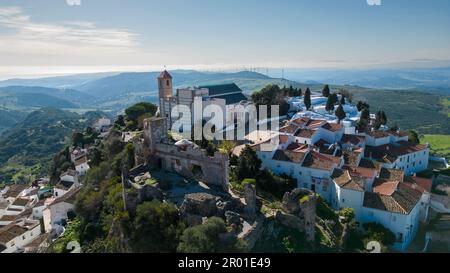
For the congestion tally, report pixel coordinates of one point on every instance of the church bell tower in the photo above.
(166, 99)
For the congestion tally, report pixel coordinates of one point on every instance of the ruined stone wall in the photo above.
(299, 213)
(191, 163)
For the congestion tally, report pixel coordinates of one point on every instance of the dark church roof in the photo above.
(231, 93)
(222, 89)
(233, 98)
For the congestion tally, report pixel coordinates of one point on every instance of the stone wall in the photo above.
(191, 163)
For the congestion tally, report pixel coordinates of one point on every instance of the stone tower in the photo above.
(165, 85)
(166, 99)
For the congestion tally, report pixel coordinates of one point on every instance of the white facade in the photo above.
(55, 213)
(17, 243)
(404, 226)
(82, 168)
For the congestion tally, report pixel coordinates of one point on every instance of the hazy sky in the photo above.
(36, 34)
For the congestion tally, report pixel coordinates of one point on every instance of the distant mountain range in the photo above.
(435, 80)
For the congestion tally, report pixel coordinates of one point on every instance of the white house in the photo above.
(14, 237)
(56, 212)
(399, 212)
(406, 156)
(82, 166)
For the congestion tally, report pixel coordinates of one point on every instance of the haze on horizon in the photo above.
(51, 37)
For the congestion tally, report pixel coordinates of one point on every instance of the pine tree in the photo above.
(330, 104)
(326, 91)
(342, 102)
(365, 114)
(340, 113)
(307, 98)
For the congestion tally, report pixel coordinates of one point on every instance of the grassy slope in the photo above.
(421, 111)
(440, 144)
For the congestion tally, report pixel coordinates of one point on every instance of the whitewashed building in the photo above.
(15, 236)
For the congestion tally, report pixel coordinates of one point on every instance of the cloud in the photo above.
(73, 2)
(22, 35)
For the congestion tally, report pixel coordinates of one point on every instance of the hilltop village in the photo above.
(332, 177)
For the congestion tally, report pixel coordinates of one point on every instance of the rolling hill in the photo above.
(33, 141)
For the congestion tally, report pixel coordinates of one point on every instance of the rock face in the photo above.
(197, 206)
(150, 193)
(299, 212)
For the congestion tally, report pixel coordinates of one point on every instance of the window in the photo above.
(343, 200)
(394, 218)
(168, 83)
(324, 188)
(24, 237)
(300, 173)
(305, 185)
(400, 237)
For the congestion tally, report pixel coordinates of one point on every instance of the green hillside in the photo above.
(32, 142)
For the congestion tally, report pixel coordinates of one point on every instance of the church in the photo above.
(226, 96)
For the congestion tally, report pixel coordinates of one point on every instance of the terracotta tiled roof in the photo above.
(289, 156)
(385, 187)
(402, 201)
(15, 190)
(398, 133)
(392, 174)
(305, 133)
(390, 152)
(316, 160)
(353, 139)
(378, 134)
(9, 233)
(70, 172)
(69, 197)
(351, 157)
(333, 127)
(22, 202)
(421, 184)
(360, 171)
(344, 180)
(289, 129)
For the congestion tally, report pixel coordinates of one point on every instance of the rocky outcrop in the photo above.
(299, 212)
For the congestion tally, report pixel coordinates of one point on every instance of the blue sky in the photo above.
(222, 33)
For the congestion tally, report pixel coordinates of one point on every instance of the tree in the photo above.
(138, 110)
(206, 238)
(248, 164)
(78, 139)
(157, 227)
(342, 101)
(307, 98)
(361, 105)
(326, 91)
(272, 95)
(330, 104)
(380, 119)
(340, 113)
(379, 233)
(413, 137)
(120, 121)
(365, 114)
